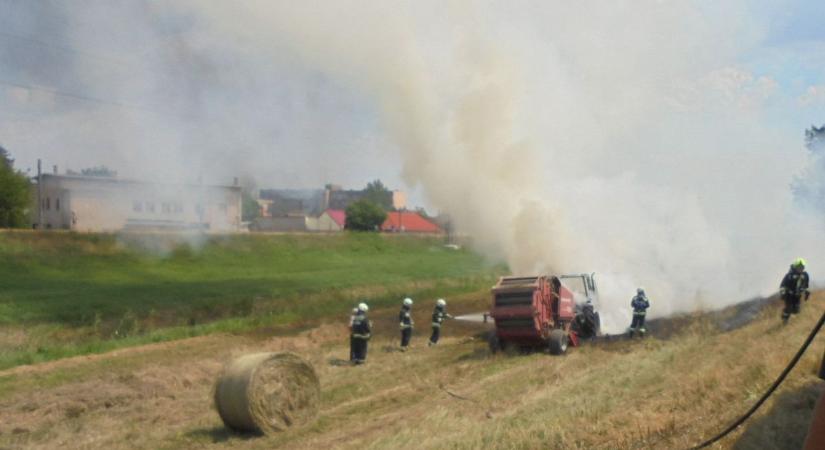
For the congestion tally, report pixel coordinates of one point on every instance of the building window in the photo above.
(57, 204)
(48, 203)
(137, 206)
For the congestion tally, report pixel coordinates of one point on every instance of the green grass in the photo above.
(64, 294)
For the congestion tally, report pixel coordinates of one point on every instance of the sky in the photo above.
(653, 141)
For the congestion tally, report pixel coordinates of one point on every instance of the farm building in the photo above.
(94, 203)
(332, 220)
(408, 222)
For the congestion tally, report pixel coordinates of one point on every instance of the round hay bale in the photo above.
(267, 392)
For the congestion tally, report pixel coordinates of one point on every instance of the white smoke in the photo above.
(619, 138)
(624, 138)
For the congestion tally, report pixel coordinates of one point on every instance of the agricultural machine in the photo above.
(543, 312)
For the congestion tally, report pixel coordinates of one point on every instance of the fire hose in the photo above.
(773, 387)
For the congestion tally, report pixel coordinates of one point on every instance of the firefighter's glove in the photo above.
(807, 294)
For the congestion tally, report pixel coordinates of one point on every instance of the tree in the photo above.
(365, 215)
(250, 209)
(423, 213)
(377, 193)
(5, 158)
(14, 193)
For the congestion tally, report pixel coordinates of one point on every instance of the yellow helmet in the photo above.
(799, 262)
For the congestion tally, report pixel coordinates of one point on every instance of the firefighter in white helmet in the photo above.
(439, 314)
(639, 303)
(793, 288)
(405, 323)
(352, 339)
(360, 334)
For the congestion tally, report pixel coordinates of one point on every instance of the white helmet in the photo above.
(363, 307)
(441, 302)
(407, 301)
(640, 291)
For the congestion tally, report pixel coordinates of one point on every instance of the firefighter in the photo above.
(360, 334)
(405, 323)
(352, 339)
(794, 286)
(640, 303)
(439, 314)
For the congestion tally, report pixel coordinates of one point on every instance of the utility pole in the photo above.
(39, 194)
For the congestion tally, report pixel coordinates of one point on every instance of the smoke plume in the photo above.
(621, 139)
(624, 138)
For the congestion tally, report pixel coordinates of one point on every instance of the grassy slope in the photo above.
(66, 294)
(641, 394)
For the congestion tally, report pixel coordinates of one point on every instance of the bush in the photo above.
(14, 194)
(365, 215)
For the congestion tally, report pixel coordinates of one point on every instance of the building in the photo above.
(93, 203)
(283, 224)
(313, 202)
(337, 198)
(284, 202)
(328, 221)
(408, 222)
(264, 207)
(331, 220)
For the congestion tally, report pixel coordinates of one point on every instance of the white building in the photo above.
(88, 203)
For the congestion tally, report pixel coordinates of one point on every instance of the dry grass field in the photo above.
(664, 392)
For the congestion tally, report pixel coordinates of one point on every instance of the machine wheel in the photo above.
(558, 342)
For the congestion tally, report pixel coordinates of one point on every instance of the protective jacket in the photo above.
(639, 305)
(361, 326)
(439, 315)
(404, 319)
(794, 284)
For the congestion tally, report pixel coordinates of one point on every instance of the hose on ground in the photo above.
(770, 391)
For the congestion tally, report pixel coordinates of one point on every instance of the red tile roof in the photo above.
(408, 221)
(339, 216)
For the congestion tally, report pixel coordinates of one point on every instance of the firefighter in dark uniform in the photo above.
(439, 314)
(794, 286)
(352, 339)
(360, 334)
(640, 303)
(405, 323)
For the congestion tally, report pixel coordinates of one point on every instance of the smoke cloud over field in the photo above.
(623, 138)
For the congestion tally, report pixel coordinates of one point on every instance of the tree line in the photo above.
(15, 193)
